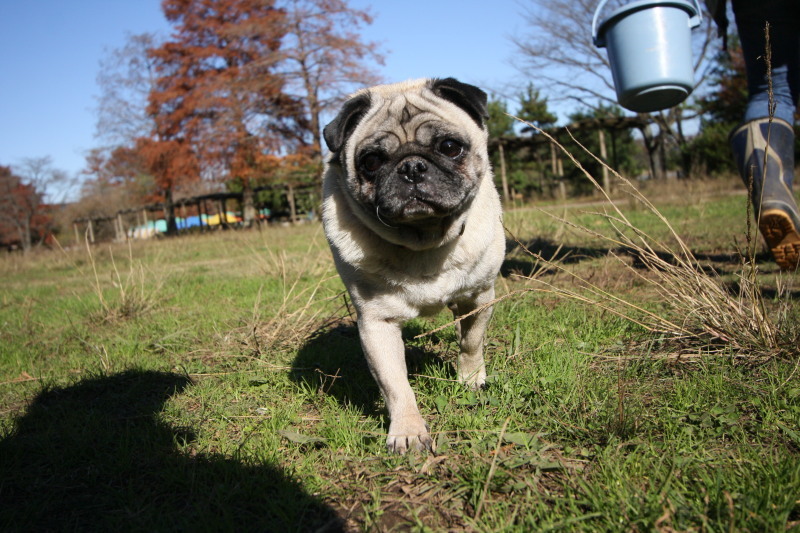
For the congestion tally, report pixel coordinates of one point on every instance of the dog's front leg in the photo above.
(471, 333)
(382, 342)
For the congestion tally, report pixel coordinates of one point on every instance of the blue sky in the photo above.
(50, 51)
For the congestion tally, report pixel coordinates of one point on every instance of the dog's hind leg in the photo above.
(471, 332)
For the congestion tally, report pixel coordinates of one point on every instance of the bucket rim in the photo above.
(691, 7)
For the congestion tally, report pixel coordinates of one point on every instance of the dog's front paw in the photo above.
(474, 378)
(409, 433)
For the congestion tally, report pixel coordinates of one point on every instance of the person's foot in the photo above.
(782, 238)
(764, 153)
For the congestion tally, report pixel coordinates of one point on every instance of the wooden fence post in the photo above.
(292, 210)
(601, 137)
(503, 177)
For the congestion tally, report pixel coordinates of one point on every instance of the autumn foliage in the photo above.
(24, 219)
(215, 86)
(235, 95)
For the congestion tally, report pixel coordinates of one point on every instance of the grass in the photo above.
(215, 382)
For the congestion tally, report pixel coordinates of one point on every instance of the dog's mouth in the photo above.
(414, 208)
(419, 218)
(420, 207)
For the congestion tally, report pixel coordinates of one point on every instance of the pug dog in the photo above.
(414, 222)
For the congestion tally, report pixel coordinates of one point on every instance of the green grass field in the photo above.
(215, 382)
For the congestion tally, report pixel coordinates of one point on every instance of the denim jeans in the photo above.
(784, 35)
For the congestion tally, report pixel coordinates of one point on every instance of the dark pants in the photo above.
(784, 35)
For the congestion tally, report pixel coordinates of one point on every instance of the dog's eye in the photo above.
(450, 148)
(371, 162)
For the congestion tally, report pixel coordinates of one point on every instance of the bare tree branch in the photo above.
(125, 79)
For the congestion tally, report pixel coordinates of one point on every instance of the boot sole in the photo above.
(782, 238)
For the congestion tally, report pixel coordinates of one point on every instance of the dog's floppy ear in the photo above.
(468, 97)
(340, 128)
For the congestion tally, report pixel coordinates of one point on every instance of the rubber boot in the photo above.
(771, 170)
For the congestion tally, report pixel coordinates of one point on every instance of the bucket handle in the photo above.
(600, 43)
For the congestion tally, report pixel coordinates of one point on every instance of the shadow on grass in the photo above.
(95, 457)
(523, 264)
(721, 263)
(332, 362)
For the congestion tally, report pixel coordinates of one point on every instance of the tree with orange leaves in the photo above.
(217, 92)
(171, 162)
(125, 168)
(244, 80)
(23, 218)
(239, 86)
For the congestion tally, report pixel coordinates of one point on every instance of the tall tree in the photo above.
(52, 183)
(117, 175)
(500, 123)
(126, 77)
(322, 57)
(534, 173)
(217, 93)
(521, 171)
(533, 108)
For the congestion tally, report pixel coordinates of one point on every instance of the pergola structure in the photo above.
(601, 125)
(204, 205)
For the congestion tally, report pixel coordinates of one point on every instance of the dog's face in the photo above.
(411, 154)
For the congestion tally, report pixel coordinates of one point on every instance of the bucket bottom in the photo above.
(653, 98)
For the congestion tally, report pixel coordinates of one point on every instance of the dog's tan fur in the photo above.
(394, 273)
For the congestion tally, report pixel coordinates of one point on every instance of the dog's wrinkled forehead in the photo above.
(406, 118)
(408, 112)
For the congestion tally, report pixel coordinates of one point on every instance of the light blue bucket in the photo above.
(649, 45)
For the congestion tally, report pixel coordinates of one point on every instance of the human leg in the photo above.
(763, 145)
(764, 153)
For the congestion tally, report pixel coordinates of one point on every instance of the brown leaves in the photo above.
(22, 214)
(170, 161)
(245, 78)
(235, 93)
(215, 85)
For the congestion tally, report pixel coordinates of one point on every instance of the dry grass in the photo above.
(132, 295)
(303, 308)
(700, 314)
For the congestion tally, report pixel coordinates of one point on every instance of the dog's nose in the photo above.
(413, 169)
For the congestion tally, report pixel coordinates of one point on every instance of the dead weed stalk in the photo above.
(132, 296)
(300, 310)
